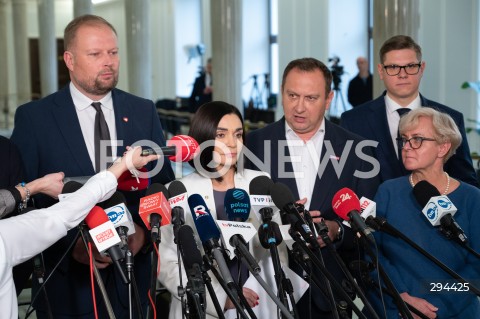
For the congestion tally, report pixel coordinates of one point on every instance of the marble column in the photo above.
(22, 53)
(81, 7)
(47, 45)
(139, 50)
(226, 22)
(4, 94)
(392, 17)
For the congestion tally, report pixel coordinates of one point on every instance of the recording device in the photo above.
(209, 236)
(346, 205)
(180, 148)
(105, 237)
(179, 202)
(439, 210)
(337, 72)
(155, 210)
(126, 182)
(119, 214)
(192, 261)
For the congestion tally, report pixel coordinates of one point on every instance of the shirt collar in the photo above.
(82, 102)
(393, 106)
(290, 133)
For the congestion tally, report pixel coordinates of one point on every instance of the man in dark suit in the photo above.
(62, 132)
(401, 69)
(202, 88)
(292, 146)
(360, 88)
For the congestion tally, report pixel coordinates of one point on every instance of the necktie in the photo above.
(401, 112)
(101, 133)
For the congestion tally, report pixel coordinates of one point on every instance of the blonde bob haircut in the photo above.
(446, 131)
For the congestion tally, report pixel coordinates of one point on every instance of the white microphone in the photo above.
(231, 228)
(118, 212)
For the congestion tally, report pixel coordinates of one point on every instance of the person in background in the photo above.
(202, 88)
(218, 128)
(23, 236)
(401, 69)
(428, 139)
(303, 150)
(67, 131)
(360, 88)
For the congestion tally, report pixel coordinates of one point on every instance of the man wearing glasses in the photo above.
(401, 69)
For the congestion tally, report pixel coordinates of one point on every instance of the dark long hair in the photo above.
(204, 128)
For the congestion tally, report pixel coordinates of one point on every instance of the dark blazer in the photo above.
(360, 91)
(370, 121)
(48, 135)
(325, 187)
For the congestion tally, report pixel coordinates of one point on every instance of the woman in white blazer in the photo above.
(218, 128)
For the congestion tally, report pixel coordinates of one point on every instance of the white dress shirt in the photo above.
(86, 116)
(24, 236)
(393, 117)
(305, 159)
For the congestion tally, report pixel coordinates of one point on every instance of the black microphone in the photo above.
(283, 199)
(209, 236)
(439, 210)
(192, 261)
(178, 200)
(260, 185)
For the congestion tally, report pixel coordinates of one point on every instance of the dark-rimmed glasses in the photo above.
(415, 141)
(410, 69)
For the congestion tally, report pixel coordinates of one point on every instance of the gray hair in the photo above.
(443, 125)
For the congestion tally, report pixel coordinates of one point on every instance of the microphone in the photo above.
(439, 210)
(179, 203)
(68, 188)
(180, 148)
(236, 233)
(346, 205)
(209, 235)
(260, 198)
(283, 198)
(154, 209)
(269, 235)
(119, 215)
(105, 237)
(192, 261)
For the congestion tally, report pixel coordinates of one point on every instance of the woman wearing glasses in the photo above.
(428, 139)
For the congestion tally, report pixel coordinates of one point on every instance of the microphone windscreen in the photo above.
(188, 247)
(260, 185)
(186, 148)
(157, 188)
(344, 202)
(71, 186)
(96, 217)
(206, 227)
(176, 188)
(424, 191)
(237, 204)
(263, 237)
(281, 195)
(128, 183)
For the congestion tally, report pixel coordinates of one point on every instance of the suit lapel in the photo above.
(67, 121)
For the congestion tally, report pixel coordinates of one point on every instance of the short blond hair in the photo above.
(446, 131)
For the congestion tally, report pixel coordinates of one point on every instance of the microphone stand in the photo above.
(381, 224)
(364, 268)
(98, 277)
(323, 232)
(402, 308)
(242, 252)
(451, 232)
(329, 278)
(129, 262)
(280, 278)
(295, 217)
(178, 219)
(209, 266)
(155, 221)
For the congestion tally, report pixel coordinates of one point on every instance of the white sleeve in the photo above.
(27, 235)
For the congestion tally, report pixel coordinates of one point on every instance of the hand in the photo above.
(250, 295)
(79, 253)
(208, 90)
(137, 240)
(132, 159)
(50, 184)
(422, 305)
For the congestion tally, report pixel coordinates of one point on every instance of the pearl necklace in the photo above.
(446, 188)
